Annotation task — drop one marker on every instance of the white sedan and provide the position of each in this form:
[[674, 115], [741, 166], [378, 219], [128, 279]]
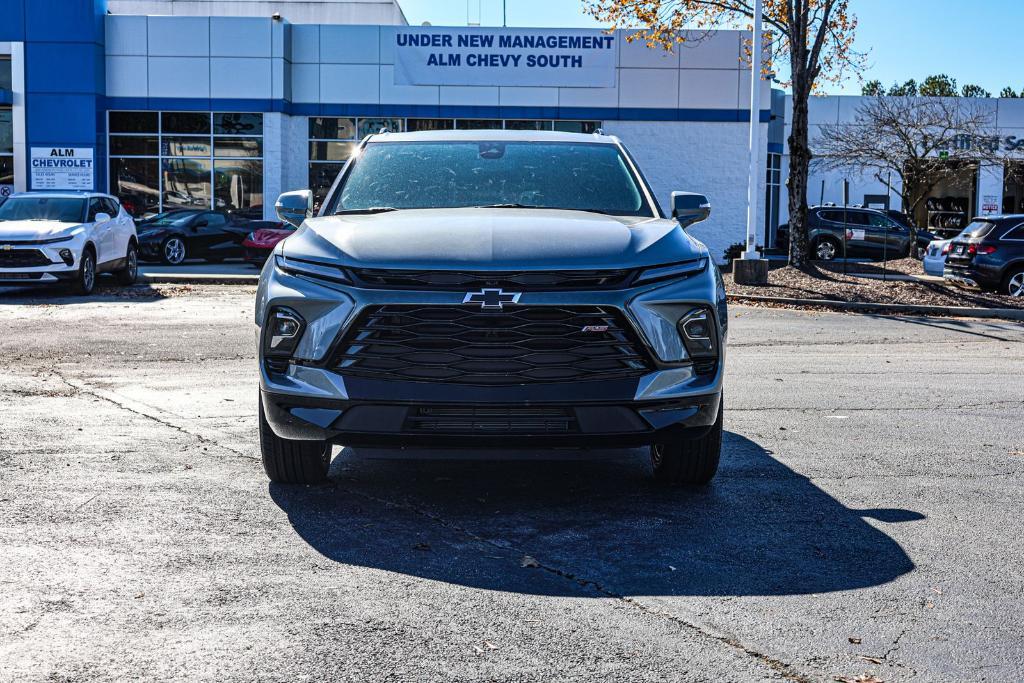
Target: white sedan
[[66, 236], [935, 257]]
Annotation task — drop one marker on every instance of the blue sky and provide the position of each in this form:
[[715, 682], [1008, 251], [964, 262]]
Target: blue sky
[[977, 42]]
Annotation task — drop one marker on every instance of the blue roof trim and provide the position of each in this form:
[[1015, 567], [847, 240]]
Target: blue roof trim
[[435, 111], [775, 148], [6, 96]]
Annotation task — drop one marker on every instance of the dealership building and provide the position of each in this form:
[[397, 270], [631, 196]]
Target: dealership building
[[224, 104]]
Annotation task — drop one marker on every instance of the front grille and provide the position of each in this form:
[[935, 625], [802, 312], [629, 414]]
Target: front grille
[[548, 280], [490, 420], [21, 276], [23, 258], [463, 345]]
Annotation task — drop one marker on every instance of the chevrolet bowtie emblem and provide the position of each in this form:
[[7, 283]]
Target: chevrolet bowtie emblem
[[492, 299]]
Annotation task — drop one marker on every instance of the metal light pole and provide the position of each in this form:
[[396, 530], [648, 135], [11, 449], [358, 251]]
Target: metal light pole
[[752, 269]]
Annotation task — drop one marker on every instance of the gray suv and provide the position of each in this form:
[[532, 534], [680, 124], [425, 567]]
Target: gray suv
[[491, 289]]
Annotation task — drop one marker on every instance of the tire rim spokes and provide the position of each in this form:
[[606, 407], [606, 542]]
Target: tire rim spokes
[[1016, 287]]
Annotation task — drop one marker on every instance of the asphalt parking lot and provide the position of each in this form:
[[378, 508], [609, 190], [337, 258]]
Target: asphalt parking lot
[[865, 521]]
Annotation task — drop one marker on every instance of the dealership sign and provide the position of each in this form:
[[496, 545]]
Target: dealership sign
[[62, 168], [575, 58], [963, 142]]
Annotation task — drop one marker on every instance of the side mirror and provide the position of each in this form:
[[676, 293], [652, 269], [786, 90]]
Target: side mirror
[[295, 207], [689, 208], [102, 217]]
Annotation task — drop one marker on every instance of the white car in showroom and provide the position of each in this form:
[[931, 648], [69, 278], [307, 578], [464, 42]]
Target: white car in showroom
[[48, 237]]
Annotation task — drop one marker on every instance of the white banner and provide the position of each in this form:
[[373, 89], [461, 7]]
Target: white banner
[[568, 58], [62, 168]]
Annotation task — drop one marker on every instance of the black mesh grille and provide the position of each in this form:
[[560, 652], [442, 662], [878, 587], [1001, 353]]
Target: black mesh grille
[[517, 280], [490, 420], [462, 344], [22, 258]]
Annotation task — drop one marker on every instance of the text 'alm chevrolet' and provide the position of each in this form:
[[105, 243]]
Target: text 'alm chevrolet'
[[491, 289]]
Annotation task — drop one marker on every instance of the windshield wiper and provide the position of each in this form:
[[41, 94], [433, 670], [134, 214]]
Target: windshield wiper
[[371, 209]]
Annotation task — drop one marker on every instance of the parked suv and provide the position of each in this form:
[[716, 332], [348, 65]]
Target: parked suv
[[48, 237], [477, 289], [868, 233], [989, 254]]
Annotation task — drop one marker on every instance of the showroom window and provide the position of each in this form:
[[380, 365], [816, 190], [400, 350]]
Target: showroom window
[[6, 152], [332, 140], [163, 161]]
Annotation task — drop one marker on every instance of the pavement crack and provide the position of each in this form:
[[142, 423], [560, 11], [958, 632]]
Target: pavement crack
[[146, 412], [782, 668]]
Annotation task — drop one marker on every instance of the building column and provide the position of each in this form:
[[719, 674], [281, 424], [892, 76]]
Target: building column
[[21, 169], [989, 195], [273, 162]]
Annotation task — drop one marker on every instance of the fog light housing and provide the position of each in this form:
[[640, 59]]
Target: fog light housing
[[700, 336], [282, 333], [67, 257]]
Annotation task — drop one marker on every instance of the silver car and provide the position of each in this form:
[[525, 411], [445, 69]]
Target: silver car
[[935, 257], [477, 289]]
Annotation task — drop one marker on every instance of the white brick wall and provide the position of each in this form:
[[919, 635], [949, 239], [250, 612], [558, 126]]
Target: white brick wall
[[710, 158]]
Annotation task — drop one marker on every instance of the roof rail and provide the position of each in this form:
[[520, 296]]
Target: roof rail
[[383, 131], [598, 131]]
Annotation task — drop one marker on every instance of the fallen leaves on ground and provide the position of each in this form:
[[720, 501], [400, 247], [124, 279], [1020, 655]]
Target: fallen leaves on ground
[[863, 678], [828, 282]]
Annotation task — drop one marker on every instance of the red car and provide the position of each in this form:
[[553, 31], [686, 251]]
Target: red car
[[262, 240]]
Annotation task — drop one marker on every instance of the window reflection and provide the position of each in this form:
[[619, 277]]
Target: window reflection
[[239, 187], [321, 177], [6, 132], [185, 146], [237, 147], [136, 182], [232, 123], [185, 122], [330, 128], [186, 183]]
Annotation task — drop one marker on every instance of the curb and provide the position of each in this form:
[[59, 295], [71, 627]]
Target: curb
[[867, 307], [197, 279]]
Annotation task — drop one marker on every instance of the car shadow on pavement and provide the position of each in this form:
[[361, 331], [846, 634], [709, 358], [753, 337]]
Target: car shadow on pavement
[[56, 294], [759, 529]]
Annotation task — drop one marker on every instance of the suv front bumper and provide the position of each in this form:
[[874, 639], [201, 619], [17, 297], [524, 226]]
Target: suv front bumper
[[311, 399]]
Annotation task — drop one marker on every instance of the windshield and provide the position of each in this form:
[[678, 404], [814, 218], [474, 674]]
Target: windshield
[[976, 230], [60, 209], [168, 218], [436, 175]]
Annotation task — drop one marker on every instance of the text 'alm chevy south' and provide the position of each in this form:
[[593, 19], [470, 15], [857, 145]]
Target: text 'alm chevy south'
[[491, 289]]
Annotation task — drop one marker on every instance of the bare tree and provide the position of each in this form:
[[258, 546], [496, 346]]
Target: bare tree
[[814, 36], [919, 141]]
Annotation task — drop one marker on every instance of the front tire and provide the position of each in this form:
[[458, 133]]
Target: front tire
[[287, 461], [85, 282], [173, 251], [130, 273], [692, 462]]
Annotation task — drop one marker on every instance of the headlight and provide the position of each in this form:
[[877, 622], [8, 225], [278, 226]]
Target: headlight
[[674, 270], [311, 269]]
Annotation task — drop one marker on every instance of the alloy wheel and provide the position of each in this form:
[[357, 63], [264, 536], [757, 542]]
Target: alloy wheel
[[1015, 287], [174, 251], [133, 263], [88, 272], [826, 251]]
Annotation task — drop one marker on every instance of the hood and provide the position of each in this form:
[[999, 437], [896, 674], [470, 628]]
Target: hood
[[33, 230], [492, 239]]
